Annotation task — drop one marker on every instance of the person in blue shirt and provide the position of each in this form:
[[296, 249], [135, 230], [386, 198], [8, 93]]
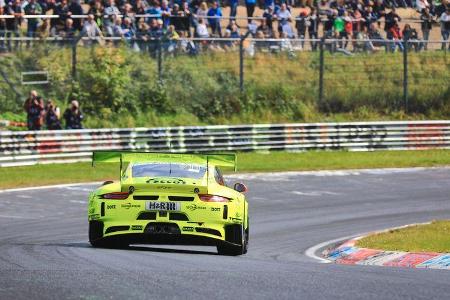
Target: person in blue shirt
[[214, 23]]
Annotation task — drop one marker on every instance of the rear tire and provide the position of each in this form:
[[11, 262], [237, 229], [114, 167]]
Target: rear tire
[[240, 238], [96, 237]]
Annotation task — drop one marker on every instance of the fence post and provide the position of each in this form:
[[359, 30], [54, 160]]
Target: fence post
[[241, 64], [321, 69], [405, 73], [159, 60], [74, 61]]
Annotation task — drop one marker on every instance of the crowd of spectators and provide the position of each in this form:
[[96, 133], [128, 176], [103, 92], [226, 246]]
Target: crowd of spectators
[[48, 115], [145, 20]]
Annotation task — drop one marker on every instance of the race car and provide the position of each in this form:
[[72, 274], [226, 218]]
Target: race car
[[167, 198]]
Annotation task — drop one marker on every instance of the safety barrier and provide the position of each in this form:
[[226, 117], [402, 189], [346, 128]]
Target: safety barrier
[[32, 147]]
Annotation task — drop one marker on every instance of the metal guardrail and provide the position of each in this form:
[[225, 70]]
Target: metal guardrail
[[34, 147]]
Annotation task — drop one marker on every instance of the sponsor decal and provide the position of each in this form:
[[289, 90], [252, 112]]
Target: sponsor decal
[[163, 187], [163, 181], [112, 206], [129, 205], [193, 207], [136, 227], [196, 191], [94, 217], [188, 229], [215, 208]]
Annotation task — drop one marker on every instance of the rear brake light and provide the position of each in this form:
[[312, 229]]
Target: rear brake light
[[213, 198], [115, 196]]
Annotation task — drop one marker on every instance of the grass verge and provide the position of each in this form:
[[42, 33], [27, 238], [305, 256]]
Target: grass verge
[[434, 237], [247, 162]]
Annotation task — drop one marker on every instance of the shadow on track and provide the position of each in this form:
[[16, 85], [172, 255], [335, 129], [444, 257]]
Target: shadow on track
[[149, 248]]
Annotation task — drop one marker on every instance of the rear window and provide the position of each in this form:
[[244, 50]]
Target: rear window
[[168, 170]]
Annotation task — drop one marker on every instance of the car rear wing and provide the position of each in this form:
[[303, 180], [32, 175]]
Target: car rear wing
[[217, 159]]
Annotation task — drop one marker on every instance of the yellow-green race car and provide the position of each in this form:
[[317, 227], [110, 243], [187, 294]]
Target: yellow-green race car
[[167, 198]]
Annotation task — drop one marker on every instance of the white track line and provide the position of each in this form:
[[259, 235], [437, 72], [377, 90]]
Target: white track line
[[311, 252], [49, 187], [258, 175]]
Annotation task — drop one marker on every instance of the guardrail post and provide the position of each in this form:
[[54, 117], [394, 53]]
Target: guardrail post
[[321, 69], [405, 73]]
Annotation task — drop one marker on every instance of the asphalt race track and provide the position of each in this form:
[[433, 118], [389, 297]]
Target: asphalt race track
[[44, 252]]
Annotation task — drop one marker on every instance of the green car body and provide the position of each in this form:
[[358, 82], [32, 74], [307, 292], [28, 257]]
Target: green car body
[[169, 199]]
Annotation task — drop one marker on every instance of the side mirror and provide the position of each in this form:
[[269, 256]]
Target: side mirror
[[240, 187]]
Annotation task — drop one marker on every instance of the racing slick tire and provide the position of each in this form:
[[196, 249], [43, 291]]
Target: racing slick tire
[[238, 236], [96, 237]]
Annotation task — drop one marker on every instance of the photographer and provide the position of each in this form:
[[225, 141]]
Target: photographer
[[34, 107], [52, 115], [73, 116]]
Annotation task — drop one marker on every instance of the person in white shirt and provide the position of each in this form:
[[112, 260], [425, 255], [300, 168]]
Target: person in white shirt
[[91, 30], [445, 28], [202, 30]]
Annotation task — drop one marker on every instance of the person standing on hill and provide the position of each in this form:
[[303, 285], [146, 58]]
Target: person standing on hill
[[34, 107], [250, 5], [426, 25], [73, 116], [52, 115], [445, 28]]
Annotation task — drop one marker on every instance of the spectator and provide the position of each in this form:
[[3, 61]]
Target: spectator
[[396, 36], [34, 107], [233, 9], [312, 21], [300, 25], [165, 13], [284, 17], [98, 12], [13, 25], [62, 10], [69, 31], [214, 14], [91, 30], [202, 31], [110, 12], [269, 16], [263, 29], [202, 10], [250, 5], [390, 20], [52, 115], [76, 9], [73, 116], [32, 8], [410, 34], [426, 25], [2, 29], [445, 27]]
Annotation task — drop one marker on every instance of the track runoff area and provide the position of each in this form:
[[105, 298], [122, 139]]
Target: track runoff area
[[44, 251]]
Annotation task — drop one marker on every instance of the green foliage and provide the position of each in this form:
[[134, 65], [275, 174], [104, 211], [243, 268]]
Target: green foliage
[[119, 87]]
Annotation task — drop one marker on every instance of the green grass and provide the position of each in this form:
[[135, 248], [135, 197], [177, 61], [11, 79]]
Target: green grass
[[434, 237], [247, 162]]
